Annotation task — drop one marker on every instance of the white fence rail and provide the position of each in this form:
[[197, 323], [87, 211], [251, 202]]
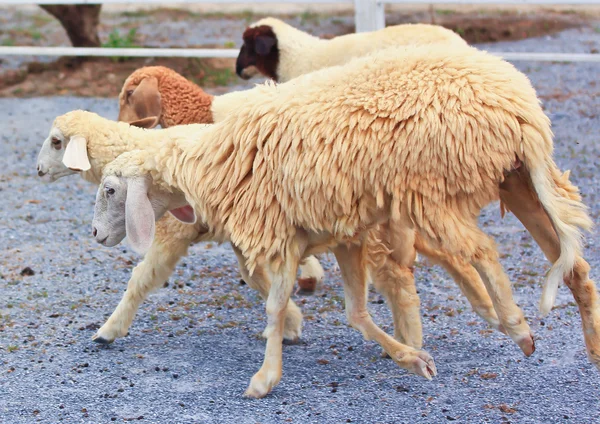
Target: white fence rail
[[369, 15]]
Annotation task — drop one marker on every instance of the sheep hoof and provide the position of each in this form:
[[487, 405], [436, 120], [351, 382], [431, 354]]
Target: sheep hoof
[[260, 385], [101, 340], [418, 362], [291, 342], [307, 285], [254, 394], [527, 344]]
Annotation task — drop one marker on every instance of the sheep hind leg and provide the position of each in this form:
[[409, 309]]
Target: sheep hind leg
[[468, 280], [259, 282], [498, 287], [518, 196], [351, 260], [149, 275], [585, 294]]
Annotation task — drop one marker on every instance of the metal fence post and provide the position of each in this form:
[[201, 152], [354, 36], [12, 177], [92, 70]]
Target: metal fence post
[[369, 15]]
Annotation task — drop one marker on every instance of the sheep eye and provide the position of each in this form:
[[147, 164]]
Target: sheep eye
[[56, 142], [129, 93], [109, 191]]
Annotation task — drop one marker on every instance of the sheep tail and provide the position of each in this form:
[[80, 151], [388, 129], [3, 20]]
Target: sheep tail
[[562, 204]]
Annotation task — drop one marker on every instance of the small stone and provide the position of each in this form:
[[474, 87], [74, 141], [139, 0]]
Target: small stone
[[27, 272]]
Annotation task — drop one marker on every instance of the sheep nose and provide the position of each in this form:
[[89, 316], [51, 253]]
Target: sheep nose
[[94, 231], [40, 172]]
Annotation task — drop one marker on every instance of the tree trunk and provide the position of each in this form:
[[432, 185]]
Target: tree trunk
[[80, 22]]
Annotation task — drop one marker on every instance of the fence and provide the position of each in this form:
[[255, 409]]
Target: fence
[[369, 15]]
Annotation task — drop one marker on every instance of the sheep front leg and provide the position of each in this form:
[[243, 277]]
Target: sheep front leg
[[293, 316], [282, 283], [351, 260], [170, 244]]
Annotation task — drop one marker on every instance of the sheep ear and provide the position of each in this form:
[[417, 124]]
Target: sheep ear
[[76, 156], [139, 215], [263, 44], [146, 99], [149, 122], [184, 214]]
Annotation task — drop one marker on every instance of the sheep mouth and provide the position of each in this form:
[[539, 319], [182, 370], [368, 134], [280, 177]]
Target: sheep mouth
[[247, 72]]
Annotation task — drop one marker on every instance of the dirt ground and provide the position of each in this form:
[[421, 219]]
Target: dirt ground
[[103, 77]]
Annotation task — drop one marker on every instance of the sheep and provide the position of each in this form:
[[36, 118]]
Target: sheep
[[393, 280], [281, 52], [172, 237], [419, 138], [164, 97]]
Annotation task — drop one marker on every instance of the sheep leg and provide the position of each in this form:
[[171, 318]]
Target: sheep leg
[[518, 196], [282, 283], [396, 281], [258, 281], [149, 275], [516, 193], [351, 260], [499, 288], [467, 279], [585, 294]]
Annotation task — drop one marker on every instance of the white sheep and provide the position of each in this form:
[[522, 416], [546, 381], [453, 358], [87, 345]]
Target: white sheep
[[157, 95], [419, 138], [282, 52], [145, 101]]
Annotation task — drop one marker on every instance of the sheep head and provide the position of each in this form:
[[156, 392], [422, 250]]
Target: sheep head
[[64, 151], [140, 99], [128, 203], [258, 53]]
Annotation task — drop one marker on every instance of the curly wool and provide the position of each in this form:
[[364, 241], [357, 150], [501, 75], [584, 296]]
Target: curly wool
[[183, 102]]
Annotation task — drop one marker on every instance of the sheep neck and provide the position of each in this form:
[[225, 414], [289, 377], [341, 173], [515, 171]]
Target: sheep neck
[[299, 53], [200, 167], [105, 145]]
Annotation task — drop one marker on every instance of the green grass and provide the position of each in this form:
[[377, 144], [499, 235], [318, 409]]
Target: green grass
[[118, 41], [211, 76], [135, 14], [309, 16], [36, 35]]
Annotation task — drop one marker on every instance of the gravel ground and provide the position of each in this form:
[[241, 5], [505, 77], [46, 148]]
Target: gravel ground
[[195, 344]]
